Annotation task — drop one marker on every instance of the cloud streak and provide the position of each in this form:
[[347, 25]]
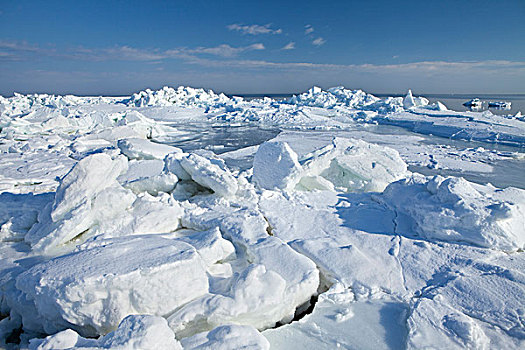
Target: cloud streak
[[318, 42], [493, 66], [308, 29], [16, 51], [254, 29], [289, 46], [226, 56], [225, 50]]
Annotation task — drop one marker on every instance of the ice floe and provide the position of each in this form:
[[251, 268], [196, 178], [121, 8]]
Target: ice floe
[[348, 226]]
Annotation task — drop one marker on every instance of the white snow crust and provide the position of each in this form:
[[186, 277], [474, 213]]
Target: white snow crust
[[347, 225]]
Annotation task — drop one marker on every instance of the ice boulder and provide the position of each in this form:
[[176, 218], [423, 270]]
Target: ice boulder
[[136, 148], [210, 245], [182, 96], [172, 164], [347, 165], [141, 332], [210, 175], [358, 166], [254, 299], [276, 166], [88, 195], [93, 289], [454, 209], [89, 176], [264, 293], [227, 337], [147, 215], [335, 96], [148, 176], [437, 106], [135, 332], [410, 101]]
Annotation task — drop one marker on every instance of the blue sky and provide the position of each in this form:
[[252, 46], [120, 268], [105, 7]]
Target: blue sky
[[118, 47]]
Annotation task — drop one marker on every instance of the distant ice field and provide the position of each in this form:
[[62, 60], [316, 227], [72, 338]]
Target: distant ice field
[[225, 138], [453, 101]]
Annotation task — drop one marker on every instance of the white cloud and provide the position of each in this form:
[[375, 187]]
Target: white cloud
[[126, 53], [318, 42], [15, 51], [18, 46], [308, 29], [18, 51], [257, 46], [223, 50], [289, 46], [423, 67], [254, 29]]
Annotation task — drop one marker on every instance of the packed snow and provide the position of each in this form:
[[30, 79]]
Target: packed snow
[[185, 219]]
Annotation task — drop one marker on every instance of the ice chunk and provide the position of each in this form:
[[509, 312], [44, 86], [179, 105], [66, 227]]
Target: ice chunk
[[453, 209], [89, 176], [357, 165], [410, 101], [172, 164], [267, 291], [88, 195], [336, 96], [226, 338], [349, 165], [209, 175], [141, 332], [276, 166], [144, 149], [210, 245], [440, 106], [255, 298], [144, 126], [182, 96], [92, 290], [148, 215], [66, 339], [148, 176], [135, 332]]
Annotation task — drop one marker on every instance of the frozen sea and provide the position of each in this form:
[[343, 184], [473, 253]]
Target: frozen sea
[[226, 138], [452, 101], [181, 218]]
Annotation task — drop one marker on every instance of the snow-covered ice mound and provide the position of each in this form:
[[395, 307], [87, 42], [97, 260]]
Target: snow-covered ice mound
[[135, 332], [93, 289], [182, 96], [89, 194], [346, 165], [336, 96], [453, 209]]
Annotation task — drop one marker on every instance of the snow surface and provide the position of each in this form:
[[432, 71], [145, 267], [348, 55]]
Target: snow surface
[[333, 219]]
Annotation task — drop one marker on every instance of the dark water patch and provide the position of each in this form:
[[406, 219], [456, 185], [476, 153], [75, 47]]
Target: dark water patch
[[220, 138]]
